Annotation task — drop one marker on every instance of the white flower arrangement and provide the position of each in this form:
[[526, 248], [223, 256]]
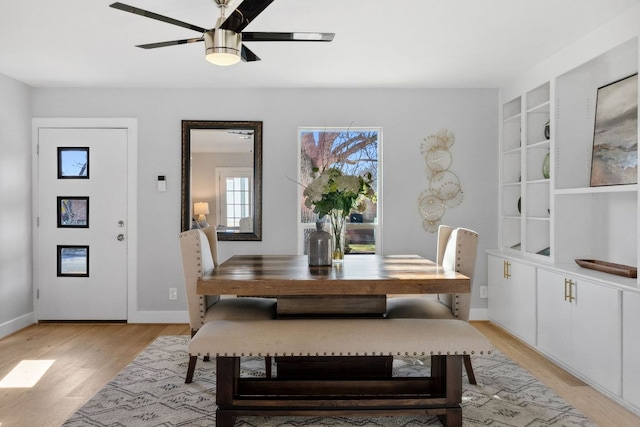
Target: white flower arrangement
[[332, 190]]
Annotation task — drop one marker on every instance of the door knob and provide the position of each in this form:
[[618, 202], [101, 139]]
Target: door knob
[[120, 237]]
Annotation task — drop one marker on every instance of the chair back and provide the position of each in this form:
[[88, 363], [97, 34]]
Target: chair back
[[457, 250], [212, 238], [197, 248]]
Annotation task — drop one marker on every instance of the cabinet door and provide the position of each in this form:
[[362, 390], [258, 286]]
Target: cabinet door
[[522, 302], [597, 334], [497, 283], [512, 297], [631, 347], [554, 316]]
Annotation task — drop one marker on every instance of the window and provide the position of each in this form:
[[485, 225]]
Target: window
[[235, 189], [354, 152], [73, 162]]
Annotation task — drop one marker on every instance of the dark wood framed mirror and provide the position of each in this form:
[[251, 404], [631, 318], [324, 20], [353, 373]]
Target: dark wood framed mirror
[[222, 177]]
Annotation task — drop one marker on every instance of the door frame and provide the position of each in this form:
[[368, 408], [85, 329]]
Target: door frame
[[131, 124]]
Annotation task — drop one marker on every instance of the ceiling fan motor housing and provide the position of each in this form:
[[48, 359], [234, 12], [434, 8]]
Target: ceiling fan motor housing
[[222, 46]]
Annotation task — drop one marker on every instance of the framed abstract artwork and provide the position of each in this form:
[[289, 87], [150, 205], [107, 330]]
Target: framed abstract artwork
[[615, 136]]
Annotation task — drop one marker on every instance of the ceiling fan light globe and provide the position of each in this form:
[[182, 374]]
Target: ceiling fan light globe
[[222, 47], [223, 58]]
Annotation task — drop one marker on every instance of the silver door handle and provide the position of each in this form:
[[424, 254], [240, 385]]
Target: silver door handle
[[120, 237]]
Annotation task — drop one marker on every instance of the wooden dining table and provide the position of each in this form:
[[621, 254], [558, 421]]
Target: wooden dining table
[[359, 286]]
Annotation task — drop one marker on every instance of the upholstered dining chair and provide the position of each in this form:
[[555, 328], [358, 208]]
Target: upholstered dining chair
[[199, 250], [457, 250]]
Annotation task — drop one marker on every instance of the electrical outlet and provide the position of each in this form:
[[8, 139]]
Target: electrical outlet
[[173, 294], [484, 291]]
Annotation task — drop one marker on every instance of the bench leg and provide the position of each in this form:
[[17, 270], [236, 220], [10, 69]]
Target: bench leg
[[227, 376], [453, 418], [267, 366], [191, 369], [453, 379], [224, 419], [446, 373]]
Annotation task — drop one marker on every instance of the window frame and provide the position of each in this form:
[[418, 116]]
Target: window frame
[[222, 174], [305, 228]]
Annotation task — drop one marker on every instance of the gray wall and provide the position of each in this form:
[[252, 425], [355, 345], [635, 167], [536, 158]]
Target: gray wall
[[406, 116], [16, 289]]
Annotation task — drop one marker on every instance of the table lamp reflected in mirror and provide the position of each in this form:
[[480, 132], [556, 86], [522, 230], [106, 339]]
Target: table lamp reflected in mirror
[[201, 209]]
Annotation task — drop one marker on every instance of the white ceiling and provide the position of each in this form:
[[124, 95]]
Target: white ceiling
[[378, 43]]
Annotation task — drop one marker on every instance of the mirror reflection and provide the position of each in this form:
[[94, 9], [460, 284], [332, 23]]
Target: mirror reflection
[[221, 177]]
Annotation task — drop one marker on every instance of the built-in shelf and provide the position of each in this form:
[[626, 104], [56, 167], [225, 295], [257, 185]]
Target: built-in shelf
[[631, 188], [513, 119], [525, 187]]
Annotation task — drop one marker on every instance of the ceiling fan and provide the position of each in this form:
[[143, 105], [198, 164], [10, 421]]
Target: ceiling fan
[[224, 43]]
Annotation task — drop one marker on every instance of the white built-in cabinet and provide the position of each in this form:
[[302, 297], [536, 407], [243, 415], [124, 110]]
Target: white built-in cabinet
[[631, 347], [580, 326], [513, 288], [586, 321]]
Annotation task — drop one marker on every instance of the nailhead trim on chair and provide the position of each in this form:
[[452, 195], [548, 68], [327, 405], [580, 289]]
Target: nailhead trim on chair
[[456, 308], [203, 309], [456, 303]]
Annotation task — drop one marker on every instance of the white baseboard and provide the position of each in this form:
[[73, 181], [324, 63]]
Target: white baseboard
[[21, 322], [159, 317], [479, 314], [14, 325]]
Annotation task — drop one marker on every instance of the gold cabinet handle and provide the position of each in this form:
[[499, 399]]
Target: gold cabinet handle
[[572, 285], [568, 290], [506, 269]]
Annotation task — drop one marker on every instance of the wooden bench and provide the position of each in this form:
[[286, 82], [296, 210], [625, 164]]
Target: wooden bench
[[329, 344]]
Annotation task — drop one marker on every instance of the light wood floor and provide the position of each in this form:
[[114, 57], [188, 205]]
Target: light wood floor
[[87, 356], [600, 409]]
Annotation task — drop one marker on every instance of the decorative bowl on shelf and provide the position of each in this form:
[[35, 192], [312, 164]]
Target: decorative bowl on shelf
[[608, 267]]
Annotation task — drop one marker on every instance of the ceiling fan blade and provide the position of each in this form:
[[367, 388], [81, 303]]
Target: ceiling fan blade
[[248, 55], [170, 43], [152, 15], [287, 37], [244, 14]]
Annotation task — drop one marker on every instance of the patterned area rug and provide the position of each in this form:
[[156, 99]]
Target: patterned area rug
[[151, 392]]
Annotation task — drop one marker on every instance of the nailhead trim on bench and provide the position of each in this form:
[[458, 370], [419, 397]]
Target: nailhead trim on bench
[[455, 353]]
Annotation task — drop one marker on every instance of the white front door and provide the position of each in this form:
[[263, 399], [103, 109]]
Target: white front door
[[81, 242]]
